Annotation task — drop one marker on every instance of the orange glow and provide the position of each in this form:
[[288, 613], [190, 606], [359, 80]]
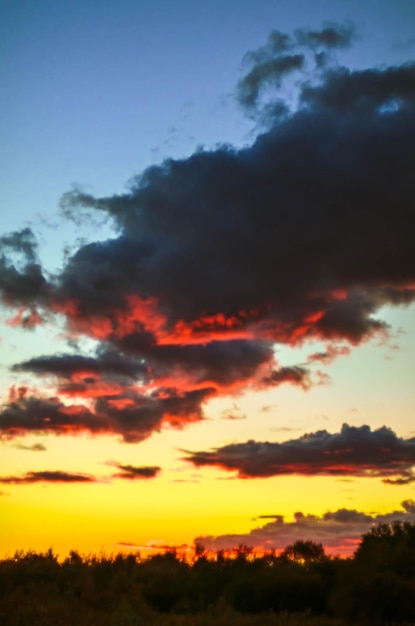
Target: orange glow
[[339, 294], [179, 421], [144, 315], [97, 389], [68, 307], [306, 328], [73, 409], [121, 403], [205, 330]]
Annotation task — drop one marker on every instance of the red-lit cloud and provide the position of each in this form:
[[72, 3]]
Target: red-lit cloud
[[135, 392], [132, 416]]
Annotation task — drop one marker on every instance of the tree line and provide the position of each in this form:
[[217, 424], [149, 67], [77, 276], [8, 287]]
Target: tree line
[[375, 586]]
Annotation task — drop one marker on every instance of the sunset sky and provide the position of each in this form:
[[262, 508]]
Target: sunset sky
[[207, 272]]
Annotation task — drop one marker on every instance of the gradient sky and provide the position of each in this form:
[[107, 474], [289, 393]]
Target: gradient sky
[[207, 272]]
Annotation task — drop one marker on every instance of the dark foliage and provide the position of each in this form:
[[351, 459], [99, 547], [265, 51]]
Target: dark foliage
[[376, 586]]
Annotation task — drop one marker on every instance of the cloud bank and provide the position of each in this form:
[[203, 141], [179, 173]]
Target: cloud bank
[[354, 451], [339, 531]]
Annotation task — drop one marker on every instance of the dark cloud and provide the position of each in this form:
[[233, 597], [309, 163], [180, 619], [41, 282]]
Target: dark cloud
[[405, 478], [284, 55], [296, 375], [68, 365], [131, 472], [22, 282], [380, 94], [409, 506], [48, 415], [46, 477], [20, 241], [347, 516], [331, 36], [305, 234], [339, 531], [354, 451], [175, 381], [131, 415], [136, 417], [220, 362], [268, 71]]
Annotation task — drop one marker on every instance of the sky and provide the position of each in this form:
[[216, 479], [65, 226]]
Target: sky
[[207, 274]]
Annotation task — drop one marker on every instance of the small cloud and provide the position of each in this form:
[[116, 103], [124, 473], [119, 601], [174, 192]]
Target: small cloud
[[284, 429], [332, 35], [295, 374], [46, 477], [329, 355], [157, 546], [276, 517], [128, 545], [233, 413], [267, 407], [36, 447], [131, 472]]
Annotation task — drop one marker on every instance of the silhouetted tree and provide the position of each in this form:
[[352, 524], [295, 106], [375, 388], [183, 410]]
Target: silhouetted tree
[[382, 590], [304, 552]]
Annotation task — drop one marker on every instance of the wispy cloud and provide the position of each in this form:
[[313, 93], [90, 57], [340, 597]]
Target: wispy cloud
[[36, 447], [156, 547], [46, 477], [132, 472], [284, 55]]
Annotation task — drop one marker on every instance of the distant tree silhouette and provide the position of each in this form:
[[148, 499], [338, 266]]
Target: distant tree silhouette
[[374, 588], [304, 552]]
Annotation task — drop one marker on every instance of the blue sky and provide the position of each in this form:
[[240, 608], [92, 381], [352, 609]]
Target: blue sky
[[93, 94]]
